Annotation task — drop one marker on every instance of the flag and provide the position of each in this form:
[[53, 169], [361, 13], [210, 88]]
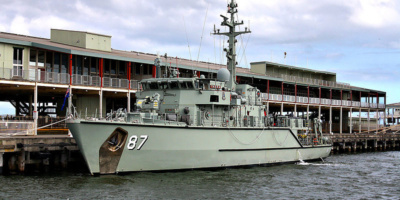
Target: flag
[[65, 98]]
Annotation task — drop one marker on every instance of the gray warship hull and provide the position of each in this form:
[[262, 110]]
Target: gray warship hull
[[176, 147]]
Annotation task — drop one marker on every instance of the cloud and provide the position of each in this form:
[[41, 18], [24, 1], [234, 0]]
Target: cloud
[[376, 13], [19, 25], [325, 34]]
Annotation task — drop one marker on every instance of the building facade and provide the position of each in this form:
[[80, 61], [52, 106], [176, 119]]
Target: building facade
[[35, 74]]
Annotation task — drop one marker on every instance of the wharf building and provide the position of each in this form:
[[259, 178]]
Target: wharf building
[[35, 74]]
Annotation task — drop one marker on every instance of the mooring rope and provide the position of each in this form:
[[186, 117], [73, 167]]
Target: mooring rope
[[252, 142], [280, 144]]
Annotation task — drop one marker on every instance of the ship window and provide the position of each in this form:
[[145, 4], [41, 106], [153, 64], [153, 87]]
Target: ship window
[[214, 98], [174, 85], [183, 85], [164, 85], [145, 86], [190, 85], [153, 85]]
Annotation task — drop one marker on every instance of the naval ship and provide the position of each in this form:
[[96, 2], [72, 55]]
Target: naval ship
[[194, 123]]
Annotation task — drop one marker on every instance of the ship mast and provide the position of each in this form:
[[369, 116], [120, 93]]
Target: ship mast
[[231, 52]]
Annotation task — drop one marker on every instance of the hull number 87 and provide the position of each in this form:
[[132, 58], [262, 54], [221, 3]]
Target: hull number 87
[[133, 141]]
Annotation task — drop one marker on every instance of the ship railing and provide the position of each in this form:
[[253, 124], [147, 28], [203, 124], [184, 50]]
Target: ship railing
[[308, 140], [373, 105], [381, 105]]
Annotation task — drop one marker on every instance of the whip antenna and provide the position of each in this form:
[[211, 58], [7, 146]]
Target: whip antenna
[[187, 39]]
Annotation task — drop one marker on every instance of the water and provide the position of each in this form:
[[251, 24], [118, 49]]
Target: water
[[355, 176]]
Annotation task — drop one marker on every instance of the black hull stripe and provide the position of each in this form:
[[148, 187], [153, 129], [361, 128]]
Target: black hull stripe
[[186, 127], [273, 149]]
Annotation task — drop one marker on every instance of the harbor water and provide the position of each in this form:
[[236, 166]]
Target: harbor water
[[346, 176]]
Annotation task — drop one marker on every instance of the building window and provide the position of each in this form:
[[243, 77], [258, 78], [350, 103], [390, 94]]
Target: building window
[[41, 58], [17, 62], [78, 64], [64, 63], [113, 67], [122, 68], [32, 57], [137, 69], [146, 70], [86, 65], [56, 67], [106, 66], [93, 66], [150, 69], [49, 61]]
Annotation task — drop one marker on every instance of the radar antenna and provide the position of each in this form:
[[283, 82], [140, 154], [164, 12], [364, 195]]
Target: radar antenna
[[231, 52]]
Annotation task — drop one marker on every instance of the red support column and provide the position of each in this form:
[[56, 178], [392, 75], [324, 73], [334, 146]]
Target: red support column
[[341, 97], [319, 95], [351, 98], [70, 69], [129, 73], [268, 89], [330, 95], [198, 74], [295, 93], [154, 74], [360, 99], [282, 91], [308, 94], [101, 72]]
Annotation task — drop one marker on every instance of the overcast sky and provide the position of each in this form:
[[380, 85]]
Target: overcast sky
[[357, 39]]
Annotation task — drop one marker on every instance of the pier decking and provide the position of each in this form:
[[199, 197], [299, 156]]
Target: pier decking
[[39, 151]]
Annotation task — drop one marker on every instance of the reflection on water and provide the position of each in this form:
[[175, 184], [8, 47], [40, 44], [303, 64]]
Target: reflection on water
[[367, 175]]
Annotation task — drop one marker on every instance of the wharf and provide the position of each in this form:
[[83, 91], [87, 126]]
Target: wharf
[[20, 153], [356, 142]]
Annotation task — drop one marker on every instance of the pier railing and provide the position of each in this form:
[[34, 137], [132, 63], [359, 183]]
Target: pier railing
[[16, 127], [64, 78], [318, 101]]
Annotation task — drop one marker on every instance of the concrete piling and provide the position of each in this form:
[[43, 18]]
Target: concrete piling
[[1, 163], [21, 161]]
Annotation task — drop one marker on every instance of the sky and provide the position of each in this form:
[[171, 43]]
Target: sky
[[357, 39]]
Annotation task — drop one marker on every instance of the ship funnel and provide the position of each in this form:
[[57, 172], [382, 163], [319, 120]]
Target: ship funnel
[[223, 75]]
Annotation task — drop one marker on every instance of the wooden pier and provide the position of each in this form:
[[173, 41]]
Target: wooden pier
[[343, 143], [37, 153]]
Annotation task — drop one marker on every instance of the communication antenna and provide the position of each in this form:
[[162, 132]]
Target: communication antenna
[[187, 39], [202, 33]]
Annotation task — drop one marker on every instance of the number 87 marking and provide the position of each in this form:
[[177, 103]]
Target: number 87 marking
[[133, 140]]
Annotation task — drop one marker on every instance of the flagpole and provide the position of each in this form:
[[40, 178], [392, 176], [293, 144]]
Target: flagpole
[[70, 101]]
